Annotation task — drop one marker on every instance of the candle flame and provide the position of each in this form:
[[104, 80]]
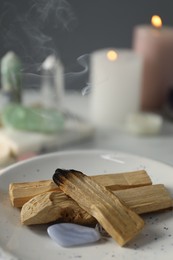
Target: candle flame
[[112, 55], [156, 21]]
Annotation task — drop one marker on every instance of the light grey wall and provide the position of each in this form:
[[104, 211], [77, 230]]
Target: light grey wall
[[71, 28]]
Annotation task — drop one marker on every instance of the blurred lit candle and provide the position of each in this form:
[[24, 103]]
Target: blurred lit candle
[[115, 77], [155, 44]]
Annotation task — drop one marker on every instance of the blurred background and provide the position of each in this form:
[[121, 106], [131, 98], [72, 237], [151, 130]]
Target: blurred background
[[36, 28], [71, 30]]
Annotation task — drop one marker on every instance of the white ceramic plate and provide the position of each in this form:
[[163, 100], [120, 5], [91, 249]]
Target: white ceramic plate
[[21, 242]]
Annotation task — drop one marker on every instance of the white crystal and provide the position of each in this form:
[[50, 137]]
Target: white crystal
[[67, 234]]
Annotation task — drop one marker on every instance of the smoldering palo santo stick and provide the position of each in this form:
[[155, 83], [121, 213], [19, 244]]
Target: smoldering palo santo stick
[[22, 192], [116, 218]]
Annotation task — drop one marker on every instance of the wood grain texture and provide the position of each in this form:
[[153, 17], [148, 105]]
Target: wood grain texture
[[115, 217], [22, 192], [56, 206]]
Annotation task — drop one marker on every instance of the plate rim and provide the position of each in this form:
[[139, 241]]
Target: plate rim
[[80, 151]]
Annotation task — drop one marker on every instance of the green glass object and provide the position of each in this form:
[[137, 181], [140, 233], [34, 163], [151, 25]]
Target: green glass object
[[11, 78], [42, 120]]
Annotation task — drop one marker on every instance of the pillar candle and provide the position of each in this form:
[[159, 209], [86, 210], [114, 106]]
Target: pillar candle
[[155, 45], [115, 77]]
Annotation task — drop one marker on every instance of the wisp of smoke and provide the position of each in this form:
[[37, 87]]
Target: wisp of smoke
[[29, 31], [77, 80], [60, 10]]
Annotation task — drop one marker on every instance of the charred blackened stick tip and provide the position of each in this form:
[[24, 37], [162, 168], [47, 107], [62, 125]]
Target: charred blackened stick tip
[[63, 173], [57, 176]]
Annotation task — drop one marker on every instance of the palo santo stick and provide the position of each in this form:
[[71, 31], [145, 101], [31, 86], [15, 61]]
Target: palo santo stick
[[118, 220], [146, 199], [20, 193], [56, 206]]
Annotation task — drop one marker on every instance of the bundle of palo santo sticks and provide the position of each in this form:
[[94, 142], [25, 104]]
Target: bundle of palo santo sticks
[[113, 200]]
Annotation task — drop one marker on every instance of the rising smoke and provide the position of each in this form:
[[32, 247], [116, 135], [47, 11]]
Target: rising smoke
[[32, 29]]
